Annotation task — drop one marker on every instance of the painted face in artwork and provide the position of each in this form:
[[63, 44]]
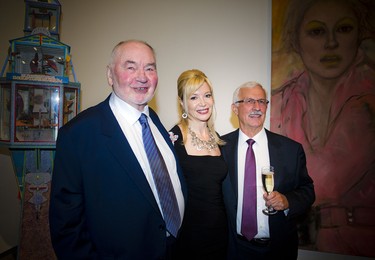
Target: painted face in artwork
[[328, 38]]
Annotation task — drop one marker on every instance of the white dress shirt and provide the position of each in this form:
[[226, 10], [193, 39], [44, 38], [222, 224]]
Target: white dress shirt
[[127, 116], [260, 148]]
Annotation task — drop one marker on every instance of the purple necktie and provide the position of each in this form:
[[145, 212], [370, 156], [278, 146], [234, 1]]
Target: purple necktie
[[249, 226], [162, 180]]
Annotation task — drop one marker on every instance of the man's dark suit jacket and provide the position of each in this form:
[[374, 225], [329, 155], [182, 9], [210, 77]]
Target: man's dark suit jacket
[[291, 179], [102, 206]]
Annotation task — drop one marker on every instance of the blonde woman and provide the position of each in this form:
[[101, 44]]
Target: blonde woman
[[204, 229]]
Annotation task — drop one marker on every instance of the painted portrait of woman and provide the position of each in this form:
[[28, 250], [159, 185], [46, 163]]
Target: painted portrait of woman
[[323, 96]]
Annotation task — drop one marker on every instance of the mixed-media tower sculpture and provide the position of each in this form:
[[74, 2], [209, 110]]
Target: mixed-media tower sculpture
[[37, 98]]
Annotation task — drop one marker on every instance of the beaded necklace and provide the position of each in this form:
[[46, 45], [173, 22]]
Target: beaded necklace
[[200, 144]]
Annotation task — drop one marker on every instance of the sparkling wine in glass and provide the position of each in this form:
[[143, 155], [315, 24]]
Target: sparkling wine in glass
[[268, 183]]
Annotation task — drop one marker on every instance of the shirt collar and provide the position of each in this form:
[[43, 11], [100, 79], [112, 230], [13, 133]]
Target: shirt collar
[[129, 113], [258, 138]]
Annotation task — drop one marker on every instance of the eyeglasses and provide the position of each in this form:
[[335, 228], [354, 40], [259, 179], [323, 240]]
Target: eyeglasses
[[250, 101]]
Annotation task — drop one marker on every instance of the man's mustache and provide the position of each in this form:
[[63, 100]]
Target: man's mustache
[[256, 113]]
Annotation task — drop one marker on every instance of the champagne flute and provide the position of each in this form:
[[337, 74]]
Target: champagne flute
[[268, 183]]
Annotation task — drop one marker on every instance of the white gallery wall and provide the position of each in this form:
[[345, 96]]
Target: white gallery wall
[[229, 40]]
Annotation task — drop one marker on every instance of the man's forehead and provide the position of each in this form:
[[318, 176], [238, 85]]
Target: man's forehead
[[137, 57], [254, 90], [141, 63]]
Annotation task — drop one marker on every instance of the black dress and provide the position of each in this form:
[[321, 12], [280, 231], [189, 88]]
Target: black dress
[[204, 233]]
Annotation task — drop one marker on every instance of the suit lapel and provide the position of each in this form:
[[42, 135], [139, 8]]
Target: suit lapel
[[232, 155], [120, 148], [163, 131], [276, 155]]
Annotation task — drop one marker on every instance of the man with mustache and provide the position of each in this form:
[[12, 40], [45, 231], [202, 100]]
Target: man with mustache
[[273, 236]]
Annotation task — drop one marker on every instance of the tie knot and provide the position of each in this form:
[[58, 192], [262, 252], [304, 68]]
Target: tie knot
[[250, 142], [143, 119]]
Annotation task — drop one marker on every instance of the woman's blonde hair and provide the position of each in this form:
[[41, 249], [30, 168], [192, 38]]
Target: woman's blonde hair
[[187, 83]]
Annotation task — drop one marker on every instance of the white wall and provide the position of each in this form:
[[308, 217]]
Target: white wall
[[229, 40], [11, 26]]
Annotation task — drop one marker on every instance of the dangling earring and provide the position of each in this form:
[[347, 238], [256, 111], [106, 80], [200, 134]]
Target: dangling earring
[[184, 115]]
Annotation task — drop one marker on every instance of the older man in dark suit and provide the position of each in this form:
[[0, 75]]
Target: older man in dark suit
[[272, 236], [106, 200]]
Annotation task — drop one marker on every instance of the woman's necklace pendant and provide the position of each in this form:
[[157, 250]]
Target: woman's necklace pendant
[[201, 144]]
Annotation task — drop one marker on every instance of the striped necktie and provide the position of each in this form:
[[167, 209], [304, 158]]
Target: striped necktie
[[162, 180]]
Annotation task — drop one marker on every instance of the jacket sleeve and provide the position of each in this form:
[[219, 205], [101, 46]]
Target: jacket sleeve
[[302, 196], [69, 234]]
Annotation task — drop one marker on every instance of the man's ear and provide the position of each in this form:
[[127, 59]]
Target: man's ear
[[235, 109], [109, 76]]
